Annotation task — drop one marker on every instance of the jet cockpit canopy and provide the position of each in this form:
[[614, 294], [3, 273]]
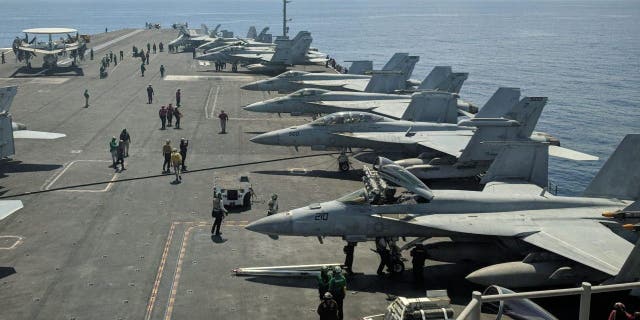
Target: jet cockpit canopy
[[291, 74], [347, 117], [308, 92]]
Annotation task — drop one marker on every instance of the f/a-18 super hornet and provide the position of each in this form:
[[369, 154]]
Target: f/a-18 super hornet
[[393, 76], [263, 39], [444, 147], [320, 101], [8, 131], [525, 236], [265, 58], [189, 39]]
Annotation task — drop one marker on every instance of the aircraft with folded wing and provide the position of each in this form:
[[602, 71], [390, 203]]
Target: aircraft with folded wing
[[525, 236]]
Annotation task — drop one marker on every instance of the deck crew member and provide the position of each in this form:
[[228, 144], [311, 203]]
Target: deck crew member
[[166, 153], [223, 121], [272, 205], [149, 92], [218, 213], [184, 145]]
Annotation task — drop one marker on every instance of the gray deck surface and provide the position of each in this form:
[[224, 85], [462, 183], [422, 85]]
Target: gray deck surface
[[142, 249]]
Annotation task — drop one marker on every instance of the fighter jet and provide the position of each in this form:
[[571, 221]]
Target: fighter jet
[[444, 147], [260, 40], [190, 39], [10, 130], [526, 235], [320, 101], [393, 76], [286, 53]]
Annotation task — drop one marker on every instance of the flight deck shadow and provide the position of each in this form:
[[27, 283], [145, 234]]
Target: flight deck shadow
[[16, 166], [218, 239], [25, 72], [450, 277], [354, 175], [6, 271]]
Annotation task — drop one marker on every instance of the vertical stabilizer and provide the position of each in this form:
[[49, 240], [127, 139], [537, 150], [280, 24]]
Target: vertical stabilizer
[[396, 60], [619, 177], [630, 270], [432, 106], [214, 33], [205, 29], [457, 80], [6, 97], [252, 33], [500, 103], [299, 48], [491, 134], [7, 148], [435, 78], [526, 162], [442, 78], [360, 66], [394, 75]]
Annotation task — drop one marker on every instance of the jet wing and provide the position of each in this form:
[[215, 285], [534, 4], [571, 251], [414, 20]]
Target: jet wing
[[585, 241], [7, 207], [500, 187], [449, 142], [388, 108], [28, 134], [254, 56], [347, 84]]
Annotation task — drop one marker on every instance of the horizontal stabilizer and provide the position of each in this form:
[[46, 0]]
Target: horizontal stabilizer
[[565, 153], [8, 207], [360, 66], [520, 161], [28, 134]]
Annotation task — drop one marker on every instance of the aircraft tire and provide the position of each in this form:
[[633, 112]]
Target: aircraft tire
[[397, 267], [246, 201]]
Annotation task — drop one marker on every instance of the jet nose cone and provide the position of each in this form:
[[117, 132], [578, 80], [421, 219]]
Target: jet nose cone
[[270, 138], [277, 224], [251, 86], [256, 107]]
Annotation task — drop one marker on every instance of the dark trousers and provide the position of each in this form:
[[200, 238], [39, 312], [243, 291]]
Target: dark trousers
[[184, 157], [384, 260], [167, 162], [120, 161], [150, 96], [348, 260], [164, 122], [177, 101], [177, 122], [340, 302], [217, 222], [418, 270]]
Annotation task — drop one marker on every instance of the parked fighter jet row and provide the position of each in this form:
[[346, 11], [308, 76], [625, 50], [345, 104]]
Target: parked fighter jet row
[[522, 235], [256, 52]]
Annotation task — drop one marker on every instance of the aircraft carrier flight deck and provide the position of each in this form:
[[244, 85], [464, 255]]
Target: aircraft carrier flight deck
[[142, 248]]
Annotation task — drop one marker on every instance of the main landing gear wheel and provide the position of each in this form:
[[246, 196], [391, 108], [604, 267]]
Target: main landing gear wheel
[[344, 166], [397, 266], [246, 201]]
